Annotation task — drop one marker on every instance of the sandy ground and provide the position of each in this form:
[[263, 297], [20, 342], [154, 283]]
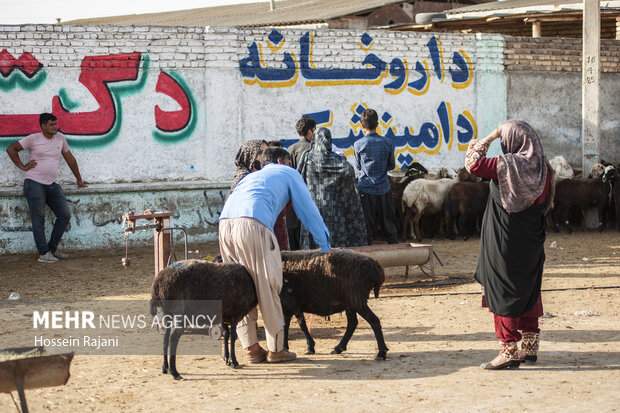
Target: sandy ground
[[436, 331]]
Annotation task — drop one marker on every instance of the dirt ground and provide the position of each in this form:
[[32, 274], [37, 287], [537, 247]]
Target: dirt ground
[[437, 333]]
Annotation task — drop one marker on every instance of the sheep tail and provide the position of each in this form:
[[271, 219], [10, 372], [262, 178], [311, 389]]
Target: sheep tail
[[379, 281], [155, 304], [155, 301]]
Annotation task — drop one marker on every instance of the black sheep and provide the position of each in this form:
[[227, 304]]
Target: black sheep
[[398, 185], [582, 193], [194, 280], [613, 176], [325, 284]]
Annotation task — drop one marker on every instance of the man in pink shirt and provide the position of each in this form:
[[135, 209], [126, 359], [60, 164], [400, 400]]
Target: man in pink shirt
[[40, 187]]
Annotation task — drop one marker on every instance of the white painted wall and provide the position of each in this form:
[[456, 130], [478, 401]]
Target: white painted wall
[[225, 110]]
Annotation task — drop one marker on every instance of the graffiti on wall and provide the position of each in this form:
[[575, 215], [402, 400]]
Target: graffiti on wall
[[429, 140], [108, 78], [24, 72], [395, 76], [372, 71]]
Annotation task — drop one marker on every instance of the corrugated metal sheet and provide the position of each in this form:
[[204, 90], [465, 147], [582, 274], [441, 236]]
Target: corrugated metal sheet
[[519, 4], [287, 12]]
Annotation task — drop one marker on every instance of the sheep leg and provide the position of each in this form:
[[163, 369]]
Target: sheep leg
[[301, 320], [406, 219], [174, 342], [287, 323], [462, 220], [351, 326], [449, 224], [601, 213], [565, 212], [555, 214], [226, 348], [416, 222], [583, 218], [164, 366], [233, 336], [375, 324]]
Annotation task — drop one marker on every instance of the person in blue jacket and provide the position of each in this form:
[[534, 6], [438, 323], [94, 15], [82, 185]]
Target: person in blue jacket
[[246, 237]]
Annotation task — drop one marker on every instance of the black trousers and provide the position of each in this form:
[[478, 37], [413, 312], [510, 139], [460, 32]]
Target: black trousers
[[379, 210], [293, 229], [293, 238]]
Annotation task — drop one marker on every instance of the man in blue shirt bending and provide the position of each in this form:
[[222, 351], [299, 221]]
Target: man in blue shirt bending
[[374, 157], [246, 237]]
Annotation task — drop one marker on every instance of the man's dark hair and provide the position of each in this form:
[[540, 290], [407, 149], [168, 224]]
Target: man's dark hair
[[304, 125], [370, 120], [46, 117], [275, 144], [271, 155]]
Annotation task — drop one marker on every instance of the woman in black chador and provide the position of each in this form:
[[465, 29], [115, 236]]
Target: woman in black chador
[[510, 264]]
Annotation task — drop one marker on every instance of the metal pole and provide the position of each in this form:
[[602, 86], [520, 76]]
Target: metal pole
[[591, 70], [273, 5]]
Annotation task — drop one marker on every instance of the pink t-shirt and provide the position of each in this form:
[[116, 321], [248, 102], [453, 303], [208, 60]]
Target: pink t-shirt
[[46, 152]]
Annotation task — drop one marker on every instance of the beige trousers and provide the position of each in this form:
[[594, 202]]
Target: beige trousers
[[248, 242]]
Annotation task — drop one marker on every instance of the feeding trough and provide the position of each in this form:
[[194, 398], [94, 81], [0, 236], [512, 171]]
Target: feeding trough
[[397, 255], [24, 368]]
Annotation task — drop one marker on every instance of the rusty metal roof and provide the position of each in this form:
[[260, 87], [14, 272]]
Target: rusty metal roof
[[286, 13]]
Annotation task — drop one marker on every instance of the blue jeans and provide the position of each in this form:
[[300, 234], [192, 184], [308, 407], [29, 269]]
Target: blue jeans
[[38, 195]]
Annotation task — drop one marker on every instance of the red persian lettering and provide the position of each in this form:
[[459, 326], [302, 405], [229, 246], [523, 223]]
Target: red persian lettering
[[27, 63], [97, 72], [171, 121]]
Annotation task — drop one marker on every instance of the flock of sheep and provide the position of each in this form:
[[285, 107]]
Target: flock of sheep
[[459, 199], [317, 283]]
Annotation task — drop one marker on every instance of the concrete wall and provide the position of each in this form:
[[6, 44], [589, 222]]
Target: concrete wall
[[155, 115], [544, 88], [551, 102], [97, 210]]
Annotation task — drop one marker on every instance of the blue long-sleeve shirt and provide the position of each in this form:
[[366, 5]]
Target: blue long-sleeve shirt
[[263, 194], [374, 157]]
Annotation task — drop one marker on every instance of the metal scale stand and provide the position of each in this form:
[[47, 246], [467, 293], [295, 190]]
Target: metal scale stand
[[162, 236]]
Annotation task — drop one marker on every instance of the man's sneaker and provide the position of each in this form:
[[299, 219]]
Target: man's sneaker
[[281, 356], [60, 255], [47, 257]]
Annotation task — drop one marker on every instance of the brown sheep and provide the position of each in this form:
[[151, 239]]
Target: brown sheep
[[465, 201], [426, 197]]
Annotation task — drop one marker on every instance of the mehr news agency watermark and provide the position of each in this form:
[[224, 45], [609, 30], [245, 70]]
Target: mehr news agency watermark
[[113, 327]]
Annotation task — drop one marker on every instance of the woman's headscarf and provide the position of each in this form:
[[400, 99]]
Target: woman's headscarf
[[245, 160], [332, 184], [522, 170]]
